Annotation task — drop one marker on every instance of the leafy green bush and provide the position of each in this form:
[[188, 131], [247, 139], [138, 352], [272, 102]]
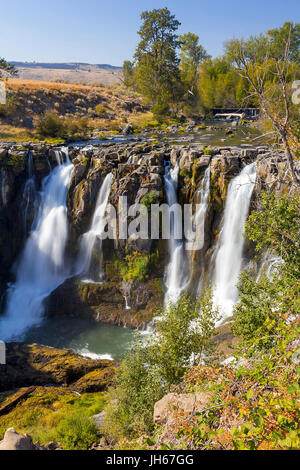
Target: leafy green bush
[[276, 226], [10, 108], [207, 151], [261, 307], [254, 405], [136, 266], [183, 336], [77, 432], [149, 199], [160, 111], [51, 125], [263, 304]]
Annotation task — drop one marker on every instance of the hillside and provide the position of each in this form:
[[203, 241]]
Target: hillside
[[29, 100], [69, 72]]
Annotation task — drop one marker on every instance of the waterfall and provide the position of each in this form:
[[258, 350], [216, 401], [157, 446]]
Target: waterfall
[[269, 266], [4, 187], [176, 276], [200, 216], [30, 199], [42, 266], [127, 306], [229, 256], [93, 236]]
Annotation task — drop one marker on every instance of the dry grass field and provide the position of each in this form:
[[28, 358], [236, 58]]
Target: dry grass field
[[101, 106], [92, 75]]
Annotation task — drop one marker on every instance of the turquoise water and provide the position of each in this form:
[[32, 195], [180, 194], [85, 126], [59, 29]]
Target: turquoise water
[[86, 337]]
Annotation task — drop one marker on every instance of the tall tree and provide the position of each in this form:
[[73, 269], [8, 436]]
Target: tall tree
[[157, 64], [128, 73], [192, 54], [267, 65], [289, 32]]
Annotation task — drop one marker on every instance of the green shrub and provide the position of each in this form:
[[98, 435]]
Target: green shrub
[[276, 227], [136, 266], [100, 110], [41, 415], [149, 199], [51, 125], [10, 108], [262, 304], [77, 432], [185, 173], [183, 335], [160, 111], [207, 151]]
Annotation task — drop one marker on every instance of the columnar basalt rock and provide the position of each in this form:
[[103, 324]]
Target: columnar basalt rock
[[138, 169]]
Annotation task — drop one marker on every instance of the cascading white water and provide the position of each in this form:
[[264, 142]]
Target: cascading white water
[[229, 256], [270, 266], [90, 238], [42, 266], [4, 187], [200, 216], [30, 197], [176, 277], [127, 306]]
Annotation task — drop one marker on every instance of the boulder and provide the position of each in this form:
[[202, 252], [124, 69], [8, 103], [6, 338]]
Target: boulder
[[99, 420], [128, 130], [188, 403], [15, 441]]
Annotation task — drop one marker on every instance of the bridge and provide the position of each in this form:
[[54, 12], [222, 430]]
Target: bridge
[[236, 113]]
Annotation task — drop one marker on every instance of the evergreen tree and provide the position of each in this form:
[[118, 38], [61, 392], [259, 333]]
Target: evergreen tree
[[157, 64]]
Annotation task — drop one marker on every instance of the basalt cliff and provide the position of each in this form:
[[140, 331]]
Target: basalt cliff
[[128, 295]]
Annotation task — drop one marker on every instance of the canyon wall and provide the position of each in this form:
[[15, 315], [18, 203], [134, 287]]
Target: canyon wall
[[138, 171]]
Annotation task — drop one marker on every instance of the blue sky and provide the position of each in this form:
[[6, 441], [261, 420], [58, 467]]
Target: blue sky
[[97, 31]]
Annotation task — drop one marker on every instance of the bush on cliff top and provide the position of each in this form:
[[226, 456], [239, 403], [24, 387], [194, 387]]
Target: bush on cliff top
[[51, 125]]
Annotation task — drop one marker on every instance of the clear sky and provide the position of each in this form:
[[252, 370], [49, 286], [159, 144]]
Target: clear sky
[[97, 31]]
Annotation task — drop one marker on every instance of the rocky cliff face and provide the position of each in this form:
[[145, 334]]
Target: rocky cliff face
[[138, 170]]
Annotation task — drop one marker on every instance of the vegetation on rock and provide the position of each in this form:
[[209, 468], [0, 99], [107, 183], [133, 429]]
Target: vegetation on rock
[[183, 334]]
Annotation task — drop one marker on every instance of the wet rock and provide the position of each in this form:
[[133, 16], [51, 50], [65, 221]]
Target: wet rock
[[3, 153], [105, 303]]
